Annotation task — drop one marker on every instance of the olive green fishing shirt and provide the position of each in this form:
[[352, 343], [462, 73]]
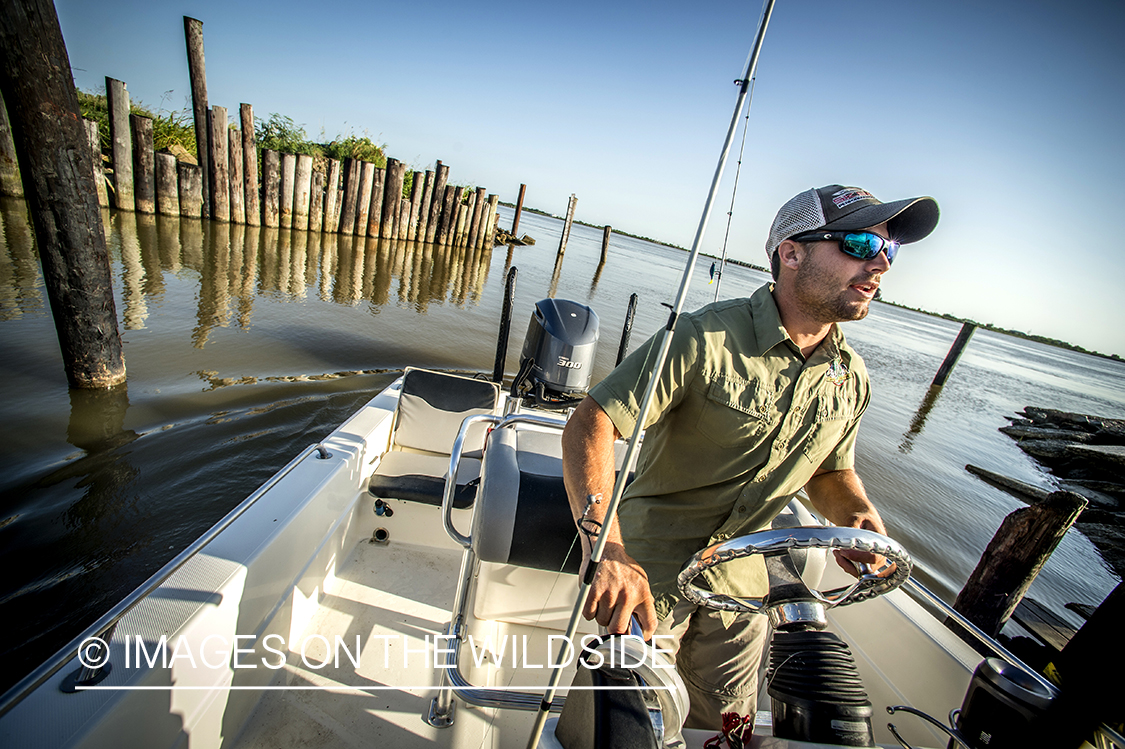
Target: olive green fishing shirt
[[740, 421]]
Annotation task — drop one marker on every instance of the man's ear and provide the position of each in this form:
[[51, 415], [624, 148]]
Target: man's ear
[[791, 253]]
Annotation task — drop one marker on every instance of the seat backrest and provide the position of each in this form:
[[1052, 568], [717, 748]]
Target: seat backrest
[[432, 406]]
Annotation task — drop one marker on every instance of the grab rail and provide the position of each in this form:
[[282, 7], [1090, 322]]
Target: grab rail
[[109, 620]]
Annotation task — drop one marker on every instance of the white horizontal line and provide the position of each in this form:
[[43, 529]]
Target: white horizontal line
[[366, 688]]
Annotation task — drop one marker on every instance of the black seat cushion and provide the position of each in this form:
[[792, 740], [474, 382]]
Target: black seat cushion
[[421, 478]]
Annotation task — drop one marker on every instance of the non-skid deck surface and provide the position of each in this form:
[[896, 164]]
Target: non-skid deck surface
[[392, 597]]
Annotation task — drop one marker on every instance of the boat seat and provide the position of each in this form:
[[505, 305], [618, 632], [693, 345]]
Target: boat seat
[[526, 520], [430, 410]]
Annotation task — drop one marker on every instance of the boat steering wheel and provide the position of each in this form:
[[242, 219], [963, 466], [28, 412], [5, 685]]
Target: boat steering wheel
[[787, 587]]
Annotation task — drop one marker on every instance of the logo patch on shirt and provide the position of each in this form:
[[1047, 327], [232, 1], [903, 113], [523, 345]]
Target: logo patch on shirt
[[837, 372]]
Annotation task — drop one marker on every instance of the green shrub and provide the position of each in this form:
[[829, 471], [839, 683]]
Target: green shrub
[[168, 128], [281, 134], [352, 146]]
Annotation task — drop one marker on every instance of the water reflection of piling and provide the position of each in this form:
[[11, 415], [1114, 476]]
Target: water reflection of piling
[[133, 272], [20, 279], [214, 287], [919, 421]]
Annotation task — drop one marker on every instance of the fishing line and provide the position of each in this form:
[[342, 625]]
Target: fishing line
[[734, 191]]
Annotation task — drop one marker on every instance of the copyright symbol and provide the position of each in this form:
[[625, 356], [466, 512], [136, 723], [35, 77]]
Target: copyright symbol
[[93, 652]]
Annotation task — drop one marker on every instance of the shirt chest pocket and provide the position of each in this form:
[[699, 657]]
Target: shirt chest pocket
[[734, 412], [828, 418]]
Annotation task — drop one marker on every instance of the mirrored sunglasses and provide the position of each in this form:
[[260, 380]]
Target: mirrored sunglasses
[[859, 244]]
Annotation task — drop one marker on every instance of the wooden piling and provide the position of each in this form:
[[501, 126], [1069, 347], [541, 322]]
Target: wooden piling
[[493, 217], [441, 173], [59, 187], [954, 354], [249, 166], [237, 183], [302, 192], [424, 208], [316, 203], [288, 190], [271, 188], [461, 229], [144, 170], [442, 235], [392, 198], [478, 214], [332, 198], [519, 210], [1014, 557], [417, 188], [167, 185], [99, 171], [363, 214], [352, 169], [219, 161], [121, 142], [606, 232], [10, 184], [197, 72], [191, 189], [378, 188], [570, 206]]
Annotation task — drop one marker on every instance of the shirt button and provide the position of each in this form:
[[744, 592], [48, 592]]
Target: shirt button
[[742, 508]]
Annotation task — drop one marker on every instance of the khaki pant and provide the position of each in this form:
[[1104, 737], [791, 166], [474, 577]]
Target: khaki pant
[[719, 666]]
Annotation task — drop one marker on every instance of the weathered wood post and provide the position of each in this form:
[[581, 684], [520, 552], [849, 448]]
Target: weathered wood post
[[448, 213], [954, 354], [197, 72], [457, 217], [220, 165], [121, 142], [464, 212], [144, 170], [493, 217], [351, 195], [288, 189], [424, 208], [99, 171], [570, 206], [10, 184], [1014, 557], [404, 220], [250, 166], [316, 203], [386, 213], [302, 192], [519, 210], [417, 188], [441, 173], [378, 188], [167, 186], [271, 188], [332, 198], [56, 165], [363, 203], [605, 243], [478, 214], [237, 183], [191, 189]]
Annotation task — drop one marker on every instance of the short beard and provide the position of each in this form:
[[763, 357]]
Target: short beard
[[808, 287]]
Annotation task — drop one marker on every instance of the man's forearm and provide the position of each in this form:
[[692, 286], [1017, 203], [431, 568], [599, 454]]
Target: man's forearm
[[588, 463], [840, 497]]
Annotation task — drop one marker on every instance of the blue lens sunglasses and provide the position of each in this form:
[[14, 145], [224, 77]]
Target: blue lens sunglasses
[[859, 244]]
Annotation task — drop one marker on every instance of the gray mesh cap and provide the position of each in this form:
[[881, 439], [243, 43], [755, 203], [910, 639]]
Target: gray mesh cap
[[840, 208]]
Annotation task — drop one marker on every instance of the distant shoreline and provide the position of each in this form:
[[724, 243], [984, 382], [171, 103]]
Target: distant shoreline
[[984, 326]]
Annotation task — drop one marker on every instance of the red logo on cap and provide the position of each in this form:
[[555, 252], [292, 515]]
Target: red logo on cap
[[844, 198]]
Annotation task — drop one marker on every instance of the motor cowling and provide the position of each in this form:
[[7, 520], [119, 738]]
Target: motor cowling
[[558, 350]]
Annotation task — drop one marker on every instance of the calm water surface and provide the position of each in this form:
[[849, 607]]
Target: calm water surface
[[245, 345]]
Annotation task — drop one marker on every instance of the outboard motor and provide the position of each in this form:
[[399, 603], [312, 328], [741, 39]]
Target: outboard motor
[[557, 360]]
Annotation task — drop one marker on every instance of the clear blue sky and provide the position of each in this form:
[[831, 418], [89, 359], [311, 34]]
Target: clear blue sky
[[1008, 113]]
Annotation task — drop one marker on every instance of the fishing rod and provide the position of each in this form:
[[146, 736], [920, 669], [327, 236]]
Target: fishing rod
[[650, 388]]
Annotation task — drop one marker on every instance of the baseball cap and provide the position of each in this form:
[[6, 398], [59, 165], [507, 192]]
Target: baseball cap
[[840, 208]]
